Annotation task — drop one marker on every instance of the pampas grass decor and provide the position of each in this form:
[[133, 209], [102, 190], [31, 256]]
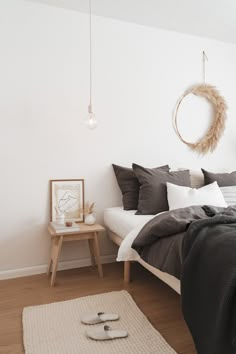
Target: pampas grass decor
[[212, 136]]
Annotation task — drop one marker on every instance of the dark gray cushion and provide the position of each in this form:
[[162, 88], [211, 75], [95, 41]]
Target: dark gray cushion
[[223, 179], [153, 191], [129, 185]]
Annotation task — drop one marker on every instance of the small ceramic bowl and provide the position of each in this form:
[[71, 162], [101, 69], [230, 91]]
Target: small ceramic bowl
[[68, 223]]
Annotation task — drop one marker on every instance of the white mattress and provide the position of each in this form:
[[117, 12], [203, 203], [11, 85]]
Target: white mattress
[[121, 221]]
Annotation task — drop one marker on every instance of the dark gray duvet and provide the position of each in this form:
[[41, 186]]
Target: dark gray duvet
[[159, 243], [199, 246]]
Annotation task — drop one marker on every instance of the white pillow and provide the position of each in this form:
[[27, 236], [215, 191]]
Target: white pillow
[[196, 177], [229, 194], [181, 197]]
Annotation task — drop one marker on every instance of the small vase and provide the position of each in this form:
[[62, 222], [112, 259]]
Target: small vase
[[60, 219], [90, 219]]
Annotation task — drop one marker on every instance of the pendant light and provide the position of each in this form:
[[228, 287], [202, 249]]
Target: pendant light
[[90, 120]]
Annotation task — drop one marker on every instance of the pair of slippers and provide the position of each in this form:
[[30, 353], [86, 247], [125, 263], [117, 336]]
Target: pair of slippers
[[105, 332]]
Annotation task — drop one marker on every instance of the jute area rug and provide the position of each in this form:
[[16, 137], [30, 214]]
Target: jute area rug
[[56, 328]]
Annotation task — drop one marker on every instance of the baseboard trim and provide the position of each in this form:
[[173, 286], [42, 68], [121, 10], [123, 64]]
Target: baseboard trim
[[76, 263]]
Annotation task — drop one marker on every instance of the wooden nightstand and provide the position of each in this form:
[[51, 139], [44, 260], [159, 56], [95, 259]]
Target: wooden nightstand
[[86, 232]]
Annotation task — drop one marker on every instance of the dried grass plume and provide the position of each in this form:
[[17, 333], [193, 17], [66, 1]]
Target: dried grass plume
[[87, 209]]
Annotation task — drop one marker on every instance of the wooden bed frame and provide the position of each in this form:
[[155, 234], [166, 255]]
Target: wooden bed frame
[[170, 280]]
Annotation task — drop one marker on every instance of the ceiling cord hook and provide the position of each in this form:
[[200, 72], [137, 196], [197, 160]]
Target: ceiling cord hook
[[204, 59]]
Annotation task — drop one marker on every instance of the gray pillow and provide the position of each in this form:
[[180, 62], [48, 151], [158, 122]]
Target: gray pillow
[[223, 179], [129, 185], [153, 191]]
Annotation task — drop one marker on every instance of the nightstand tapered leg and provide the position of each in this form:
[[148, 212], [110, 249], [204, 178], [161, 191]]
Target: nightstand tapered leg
[[97, 254], [49, 266], [90, 242], [51, 257], [56, 253]]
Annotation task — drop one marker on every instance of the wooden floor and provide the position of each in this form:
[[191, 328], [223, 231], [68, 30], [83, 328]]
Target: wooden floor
[[159, 303]]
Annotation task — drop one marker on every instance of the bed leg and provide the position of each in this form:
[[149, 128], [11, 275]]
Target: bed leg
[[127, 271]]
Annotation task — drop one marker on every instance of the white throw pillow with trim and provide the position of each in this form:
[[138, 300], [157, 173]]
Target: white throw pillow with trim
[[182, 197]]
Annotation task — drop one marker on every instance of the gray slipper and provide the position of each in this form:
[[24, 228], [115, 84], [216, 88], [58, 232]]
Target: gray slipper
[[106, 333], [93, 318]]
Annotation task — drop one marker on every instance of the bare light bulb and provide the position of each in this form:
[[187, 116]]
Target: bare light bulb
[[90, 121]]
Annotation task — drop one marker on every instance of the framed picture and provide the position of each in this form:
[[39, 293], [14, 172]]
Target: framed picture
[[67, 197]]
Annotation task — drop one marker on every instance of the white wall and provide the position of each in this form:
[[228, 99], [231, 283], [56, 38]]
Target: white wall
[[139, 73]]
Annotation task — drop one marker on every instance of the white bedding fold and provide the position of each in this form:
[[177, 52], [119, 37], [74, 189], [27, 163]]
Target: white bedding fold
[[125, 252]]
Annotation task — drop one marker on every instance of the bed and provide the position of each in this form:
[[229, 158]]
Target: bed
[[183, 232], [119, 224]]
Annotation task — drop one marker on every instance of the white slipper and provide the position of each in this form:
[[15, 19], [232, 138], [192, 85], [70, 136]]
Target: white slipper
[[93, 318], [106, 333]]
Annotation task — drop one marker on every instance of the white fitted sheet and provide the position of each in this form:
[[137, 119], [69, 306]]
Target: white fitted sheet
[[121, 221]]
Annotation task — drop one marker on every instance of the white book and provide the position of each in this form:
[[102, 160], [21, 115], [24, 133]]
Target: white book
[[59, 228]]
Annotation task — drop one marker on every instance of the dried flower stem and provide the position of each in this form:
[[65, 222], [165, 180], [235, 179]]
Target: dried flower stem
[[88, 208]]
